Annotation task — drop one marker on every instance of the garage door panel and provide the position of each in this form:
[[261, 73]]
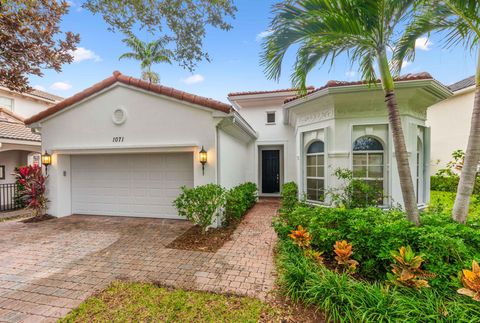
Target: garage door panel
[[129, 185]]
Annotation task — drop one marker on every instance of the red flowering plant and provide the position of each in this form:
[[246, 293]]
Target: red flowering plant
[[33, 189]]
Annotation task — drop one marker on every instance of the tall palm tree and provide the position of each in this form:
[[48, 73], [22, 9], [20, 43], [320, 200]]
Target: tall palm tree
[[459, 20], [148, 54], [363, 29]]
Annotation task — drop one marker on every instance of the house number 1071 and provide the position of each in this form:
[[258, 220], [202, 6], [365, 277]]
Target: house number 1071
[[118, 139]]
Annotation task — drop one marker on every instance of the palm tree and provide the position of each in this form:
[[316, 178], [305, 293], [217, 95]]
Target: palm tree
[[363, 29], [460, 21], [148, 54]]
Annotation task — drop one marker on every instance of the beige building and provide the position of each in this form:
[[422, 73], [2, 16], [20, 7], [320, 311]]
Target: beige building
[[449, 121]]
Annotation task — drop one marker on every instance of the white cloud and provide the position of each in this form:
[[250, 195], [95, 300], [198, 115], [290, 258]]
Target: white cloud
[[61, 86], [423, 43], [83, 54], [350, 74], [194, 79], [39, 87], [405, 64], [263, 34]]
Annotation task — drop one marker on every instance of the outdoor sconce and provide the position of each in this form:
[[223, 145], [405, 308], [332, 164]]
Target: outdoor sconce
[[203, 159], [46, 161]]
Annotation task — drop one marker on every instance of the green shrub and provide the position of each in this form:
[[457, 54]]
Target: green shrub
[[450, 184], [447, 246], [355, 192], [239, 200], [289, 197], [344, 299], [200, 204]]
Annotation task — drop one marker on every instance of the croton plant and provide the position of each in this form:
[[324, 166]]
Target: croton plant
[[33, 189]]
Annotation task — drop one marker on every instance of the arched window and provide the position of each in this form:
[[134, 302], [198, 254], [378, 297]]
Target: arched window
[[368, 162], [316, 171]]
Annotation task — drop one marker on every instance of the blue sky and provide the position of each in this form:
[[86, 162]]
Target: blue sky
[[235, 58]]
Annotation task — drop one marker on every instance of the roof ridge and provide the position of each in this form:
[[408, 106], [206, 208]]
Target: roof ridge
[[334, 83], [131, 81], [267, 91]]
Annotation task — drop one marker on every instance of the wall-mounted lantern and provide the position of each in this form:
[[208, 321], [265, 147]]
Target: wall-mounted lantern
[[203, 159], [46, 161]]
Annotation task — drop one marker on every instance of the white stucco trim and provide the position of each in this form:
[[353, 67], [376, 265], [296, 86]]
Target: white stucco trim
[[134, 149]]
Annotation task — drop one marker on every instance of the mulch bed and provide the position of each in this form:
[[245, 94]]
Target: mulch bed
[[211, 241], [35, 219]]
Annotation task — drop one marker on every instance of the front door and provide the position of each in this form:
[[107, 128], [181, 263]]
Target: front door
[[270, 171]]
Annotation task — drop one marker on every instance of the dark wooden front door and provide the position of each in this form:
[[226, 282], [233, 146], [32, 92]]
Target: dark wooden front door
[[270, 171]]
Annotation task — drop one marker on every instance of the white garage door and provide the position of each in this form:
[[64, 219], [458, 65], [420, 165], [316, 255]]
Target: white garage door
[[142, 185]]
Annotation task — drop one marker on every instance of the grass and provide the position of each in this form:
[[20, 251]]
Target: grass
[[142, 302]]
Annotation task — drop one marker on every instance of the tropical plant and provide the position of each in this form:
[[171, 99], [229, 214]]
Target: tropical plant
[[148, 54], [183, 23], [364, 30], [343, 251], [407, 269], [459, 20], [454, 166], [201, 204], [32, 188], [314, 255], [301, 237], [471, 282]]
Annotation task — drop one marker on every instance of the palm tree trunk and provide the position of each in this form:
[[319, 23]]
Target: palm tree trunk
[[401, 155], [472, 157]]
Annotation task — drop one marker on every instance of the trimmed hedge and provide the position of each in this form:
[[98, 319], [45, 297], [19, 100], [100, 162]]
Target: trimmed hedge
[[450, 184], [289, 197], [239, 200]]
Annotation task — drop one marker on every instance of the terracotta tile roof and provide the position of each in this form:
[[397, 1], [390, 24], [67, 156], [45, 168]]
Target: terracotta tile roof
[[46, 95], [128, 80], [266, 92], [12, 127], [463, 84], [332, 83]]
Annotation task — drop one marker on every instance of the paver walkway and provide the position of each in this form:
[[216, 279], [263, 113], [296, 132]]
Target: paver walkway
[[50, 267]]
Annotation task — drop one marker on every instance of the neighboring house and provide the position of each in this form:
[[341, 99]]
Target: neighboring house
[[18, 145], [450, 122], [125, 146]]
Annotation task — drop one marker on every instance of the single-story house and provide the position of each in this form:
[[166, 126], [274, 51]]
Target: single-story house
[[125, 146], [450, 122]]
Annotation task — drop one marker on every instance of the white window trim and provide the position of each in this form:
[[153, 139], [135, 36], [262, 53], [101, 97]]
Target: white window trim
[[10, 98], [274, 116], [385, 166], [306, 177]]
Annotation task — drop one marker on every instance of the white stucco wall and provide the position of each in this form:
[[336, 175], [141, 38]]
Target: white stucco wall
[[11, 159], [450, 122], [270, 135], [25, 106], [154, 124], [232, 155]]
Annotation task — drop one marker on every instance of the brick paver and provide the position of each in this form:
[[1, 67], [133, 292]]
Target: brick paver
[[50, 267]]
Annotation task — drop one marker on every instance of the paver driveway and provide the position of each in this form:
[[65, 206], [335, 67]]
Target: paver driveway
[[50, 267]]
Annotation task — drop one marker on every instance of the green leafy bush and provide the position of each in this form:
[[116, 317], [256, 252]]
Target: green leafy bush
[[289, 197], [344, 299], [200, 204], [355, 192], [447, 246], [239, 200], [450, 184]]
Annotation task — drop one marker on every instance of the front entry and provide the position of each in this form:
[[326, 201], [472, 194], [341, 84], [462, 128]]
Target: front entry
[[271, 171]]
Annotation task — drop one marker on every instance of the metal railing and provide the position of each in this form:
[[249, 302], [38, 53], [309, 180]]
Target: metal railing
[[9, 197]]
